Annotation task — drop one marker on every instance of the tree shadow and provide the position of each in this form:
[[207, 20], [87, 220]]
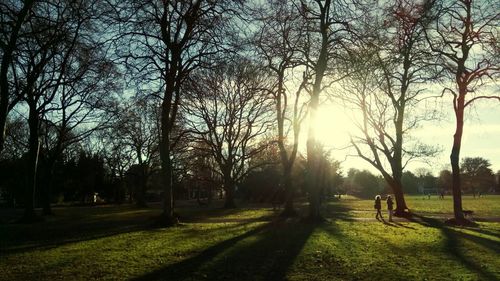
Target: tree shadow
[[82, 224], [452, 244], [484, 231], [337, 211], [207, 212], [485, 242], [265, 253], [388, 223], [45, 237], [78, 224], [402, 225]]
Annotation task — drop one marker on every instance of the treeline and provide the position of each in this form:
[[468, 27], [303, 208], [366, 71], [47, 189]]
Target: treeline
[[83, 178], [118, 97]]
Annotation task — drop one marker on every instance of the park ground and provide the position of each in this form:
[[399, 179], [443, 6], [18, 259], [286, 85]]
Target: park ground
[[253, 243]]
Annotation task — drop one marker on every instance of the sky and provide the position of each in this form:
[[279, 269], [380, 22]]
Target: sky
[[481, 137]]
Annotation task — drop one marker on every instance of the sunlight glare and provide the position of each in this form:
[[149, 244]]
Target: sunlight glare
[[333, 126]]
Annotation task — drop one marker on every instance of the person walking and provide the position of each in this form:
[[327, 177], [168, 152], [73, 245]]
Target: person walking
[[390, 205], [378, 206]]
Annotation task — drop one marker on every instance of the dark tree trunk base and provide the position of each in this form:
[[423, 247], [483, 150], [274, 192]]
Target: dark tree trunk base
[[403, 214], [165, 220], [289, 213], [314, 219], [460, 222]]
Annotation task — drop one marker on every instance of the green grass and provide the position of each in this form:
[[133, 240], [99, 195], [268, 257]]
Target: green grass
[[483, 207], [487, 206], [115, 243]]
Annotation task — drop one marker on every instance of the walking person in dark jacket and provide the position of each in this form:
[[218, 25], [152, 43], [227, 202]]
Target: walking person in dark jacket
[[390, 205], [378, 206]]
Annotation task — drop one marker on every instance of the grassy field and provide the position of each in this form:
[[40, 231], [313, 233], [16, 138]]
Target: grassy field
[[251, 243], [484, 207]]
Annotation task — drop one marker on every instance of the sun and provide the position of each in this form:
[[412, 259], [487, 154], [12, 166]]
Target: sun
[[333, 126]]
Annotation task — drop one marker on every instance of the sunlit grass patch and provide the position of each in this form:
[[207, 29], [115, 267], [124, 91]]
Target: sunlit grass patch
[[118, 256], [486, 206], [374, 251]]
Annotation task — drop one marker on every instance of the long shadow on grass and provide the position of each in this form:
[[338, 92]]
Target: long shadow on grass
[[85, 224], [44, 238], [265, 253], [204, 212], [82, 224], [484, 231], [452, 244], [338, 211]]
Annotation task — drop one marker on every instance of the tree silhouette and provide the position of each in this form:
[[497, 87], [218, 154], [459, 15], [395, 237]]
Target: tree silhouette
[[52, 66], [327, 32], [168, 40], [278, 40], [138, 127], [11, 26], [229, 112]]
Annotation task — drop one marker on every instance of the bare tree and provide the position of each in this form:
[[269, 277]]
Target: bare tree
[[278, 40], [203, 170], [58, 67], [465, 43], [168, 40], [327, 26], [13, 16], [117, 159], [137, 126], [16, 138], [387, 75], [83, 105], [229, 113]]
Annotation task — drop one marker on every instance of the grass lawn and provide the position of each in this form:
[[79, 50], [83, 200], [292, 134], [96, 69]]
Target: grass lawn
[[484, 207], [249, 243]]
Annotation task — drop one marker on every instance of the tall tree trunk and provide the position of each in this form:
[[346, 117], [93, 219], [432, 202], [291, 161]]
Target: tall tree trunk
[[4, 105], [397, 164], [289, 209], [286, 162], [401, 208], [455, 157], [143, 181], [47, 189], [32, 165], [47, 192], [229, 188], [167, 217], [141, 193], [198, 194], [313, 165], [313, 147], [210, 195]]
